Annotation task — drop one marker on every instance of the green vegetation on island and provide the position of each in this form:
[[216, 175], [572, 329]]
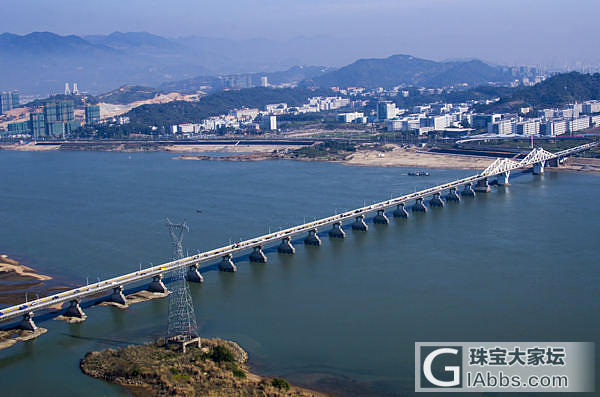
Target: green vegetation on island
[[218, 368]]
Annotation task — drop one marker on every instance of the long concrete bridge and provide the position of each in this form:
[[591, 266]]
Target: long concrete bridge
[[113, 288]]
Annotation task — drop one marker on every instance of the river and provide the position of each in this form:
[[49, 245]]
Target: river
[[516, 264]]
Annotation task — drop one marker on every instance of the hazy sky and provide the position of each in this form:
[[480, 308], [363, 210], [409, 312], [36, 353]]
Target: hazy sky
[[506, 31]]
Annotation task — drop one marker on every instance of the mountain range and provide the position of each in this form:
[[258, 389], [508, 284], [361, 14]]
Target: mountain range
[[411, 71], [41, 63]]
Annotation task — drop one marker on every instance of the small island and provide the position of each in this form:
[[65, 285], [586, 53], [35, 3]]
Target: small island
[[218, 368]]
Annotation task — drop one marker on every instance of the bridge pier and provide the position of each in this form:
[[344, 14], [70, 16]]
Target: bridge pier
[[452, 195], [337, 231], [483, 186], [503, 178], [400, 211], [360, 224], [380, 218], [27, 323], [312, 238], [117, 296], [538, 168], [419, 206], [468, 191], [193, 274], [436, 200], [74, 310], [157, 285], [227, 265], [286, 247], [258, 256]]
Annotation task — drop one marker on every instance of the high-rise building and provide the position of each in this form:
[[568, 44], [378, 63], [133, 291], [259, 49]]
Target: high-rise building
[[264, 81], [268, 123], [38, 125], [65, 110], [55, 129], [15, 99], [75, 89], [50, 112], [386, 110], [5, 102], [92, 114], [67, 89]]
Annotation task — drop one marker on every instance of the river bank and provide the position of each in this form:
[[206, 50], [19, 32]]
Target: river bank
[[218, 368], [371, 155]]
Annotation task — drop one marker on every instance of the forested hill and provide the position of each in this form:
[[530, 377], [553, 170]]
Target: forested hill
[[409, 70], [555, 91], [167, 114]]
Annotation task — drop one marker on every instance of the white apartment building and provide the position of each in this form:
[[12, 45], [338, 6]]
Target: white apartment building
[[589, 107], [578, 124], [502, 127], [437, 122], [276, 108], [529, 127], [555, 127], [245, 114]]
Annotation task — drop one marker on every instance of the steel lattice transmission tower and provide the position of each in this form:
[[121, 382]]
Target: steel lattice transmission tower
[[182, 320]]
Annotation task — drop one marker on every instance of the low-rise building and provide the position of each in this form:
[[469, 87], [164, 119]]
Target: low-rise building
[[480, 121], [349, 117]]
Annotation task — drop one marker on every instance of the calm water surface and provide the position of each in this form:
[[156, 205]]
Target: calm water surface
[[518, 264]]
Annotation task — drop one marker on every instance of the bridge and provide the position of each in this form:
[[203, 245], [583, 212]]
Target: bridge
[[537, 159]]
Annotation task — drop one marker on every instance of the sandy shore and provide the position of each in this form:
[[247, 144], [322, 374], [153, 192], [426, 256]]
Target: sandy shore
[[12, 337], [29, 147], [396, 156], [399, 157], [16, 278], [229, 148]]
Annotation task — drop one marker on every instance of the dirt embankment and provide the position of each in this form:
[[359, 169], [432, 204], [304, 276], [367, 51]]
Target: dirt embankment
[[218, 368]]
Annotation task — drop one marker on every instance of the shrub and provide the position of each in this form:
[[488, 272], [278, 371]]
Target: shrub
[[221, 354], [280, 384]]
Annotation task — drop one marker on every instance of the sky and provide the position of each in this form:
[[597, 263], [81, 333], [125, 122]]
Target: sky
[[500, 31]]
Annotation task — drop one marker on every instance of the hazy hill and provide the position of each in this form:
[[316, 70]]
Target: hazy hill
[[294, 74], [42, 62], [408, 70]]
